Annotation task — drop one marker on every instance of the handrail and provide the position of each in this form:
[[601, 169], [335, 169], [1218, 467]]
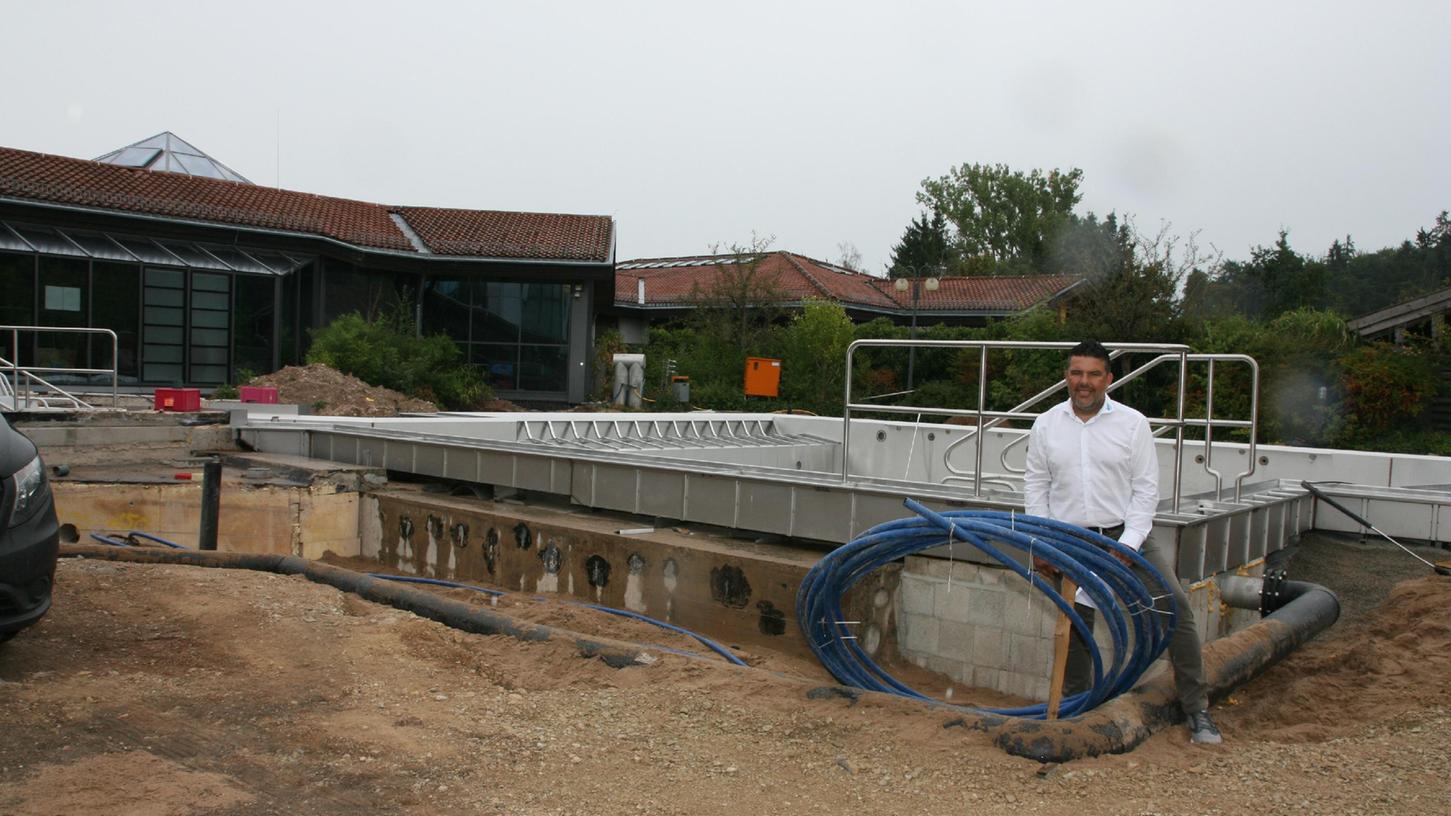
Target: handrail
[[32, 374], [1165, 351], [1208, 422]]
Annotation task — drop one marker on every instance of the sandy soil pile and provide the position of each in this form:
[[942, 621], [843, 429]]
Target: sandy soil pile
[[327, 391], [180, 690]]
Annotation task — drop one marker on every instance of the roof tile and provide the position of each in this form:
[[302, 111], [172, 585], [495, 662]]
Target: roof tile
[[671, 281], [77, 182], [493, 233]]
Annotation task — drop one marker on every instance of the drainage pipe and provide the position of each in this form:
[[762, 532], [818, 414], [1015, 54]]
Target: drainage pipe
[[1121, 724], [425, 604]]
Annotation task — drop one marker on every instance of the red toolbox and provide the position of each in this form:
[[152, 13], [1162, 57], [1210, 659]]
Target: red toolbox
[[178, 399], [264, 395]]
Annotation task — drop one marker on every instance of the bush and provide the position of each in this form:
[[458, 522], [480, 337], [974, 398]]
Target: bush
[[1386, 387], [814, 357], [387, 352]]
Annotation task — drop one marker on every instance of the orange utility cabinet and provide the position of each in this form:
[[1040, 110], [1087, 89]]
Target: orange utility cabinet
[[763, 377]]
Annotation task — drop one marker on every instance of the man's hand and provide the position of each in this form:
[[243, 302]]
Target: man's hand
[[1044, 568], [1128, 562]]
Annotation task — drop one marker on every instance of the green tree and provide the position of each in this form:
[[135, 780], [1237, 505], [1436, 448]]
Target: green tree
[[1275, 280], [742, 300], [814, 357], [1004, 218], [924, 245]]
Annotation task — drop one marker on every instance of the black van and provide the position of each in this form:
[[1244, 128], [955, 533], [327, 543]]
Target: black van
[[29, 534]]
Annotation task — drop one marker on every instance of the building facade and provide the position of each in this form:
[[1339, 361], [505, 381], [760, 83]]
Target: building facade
[[206, 277]]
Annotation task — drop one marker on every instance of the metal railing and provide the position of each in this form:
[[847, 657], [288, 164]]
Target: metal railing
[[23, 386], [1208, 423], [986, 419]]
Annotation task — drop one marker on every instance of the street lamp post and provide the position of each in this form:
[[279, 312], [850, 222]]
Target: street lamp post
[[901, 286]]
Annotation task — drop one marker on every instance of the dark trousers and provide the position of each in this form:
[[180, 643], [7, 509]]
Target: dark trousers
[[1184, 648]]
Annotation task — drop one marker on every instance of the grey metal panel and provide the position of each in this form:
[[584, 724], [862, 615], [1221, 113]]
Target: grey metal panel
[[616, 487], [399, 456], [535, 473], [1413, 520], [765, 507], [1187, 555], [561, 477], [288, 441], [662, 493], [871, 509], [1237, 549], [460, 463], [1216, 552], [495, 468], [1277, 528], [711, 499], [429, 460], [822, 513], [1193, 542], [581, 484], [370, 452]]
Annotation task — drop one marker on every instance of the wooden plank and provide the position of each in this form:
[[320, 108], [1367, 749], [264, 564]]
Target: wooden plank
[[1061, 634]]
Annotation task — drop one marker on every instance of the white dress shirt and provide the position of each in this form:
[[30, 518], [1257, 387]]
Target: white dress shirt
[[1099, 473]]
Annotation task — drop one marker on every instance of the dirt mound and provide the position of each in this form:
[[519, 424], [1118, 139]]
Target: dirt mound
[[1394, 662], [501, 406], [327, 391]]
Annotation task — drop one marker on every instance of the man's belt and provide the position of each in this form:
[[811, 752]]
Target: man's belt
[[1108, 532]]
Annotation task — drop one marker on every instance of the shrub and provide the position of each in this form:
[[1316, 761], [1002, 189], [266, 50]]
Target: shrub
[[814, 357], [386, 351], [1386, 387]]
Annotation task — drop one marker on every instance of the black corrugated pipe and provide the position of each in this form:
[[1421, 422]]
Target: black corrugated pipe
[[456, 614], [1122, 723]]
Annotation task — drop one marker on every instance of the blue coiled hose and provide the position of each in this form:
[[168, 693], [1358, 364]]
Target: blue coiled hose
[[1139, 632]]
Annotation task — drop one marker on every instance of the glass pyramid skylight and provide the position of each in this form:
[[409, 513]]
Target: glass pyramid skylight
[[170, 153]]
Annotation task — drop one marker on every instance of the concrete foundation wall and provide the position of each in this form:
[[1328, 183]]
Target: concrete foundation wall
[[983, 625], [305, 521]]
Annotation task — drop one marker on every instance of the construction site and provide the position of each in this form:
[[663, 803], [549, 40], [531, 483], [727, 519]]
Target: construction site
[[262, 610]]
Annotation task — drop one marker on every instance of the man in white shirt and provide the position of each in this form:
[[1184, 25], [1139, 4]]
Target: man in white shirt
[[1091, 462]]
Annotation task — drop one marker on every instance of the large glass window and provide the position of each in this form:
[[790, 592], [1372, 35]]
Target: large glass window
[[211, 306], [446, 309], [163, 325], [518, 333], [370, 293], [254, 311], [287, 331], [17, 303], [116, 305], [63, 302]]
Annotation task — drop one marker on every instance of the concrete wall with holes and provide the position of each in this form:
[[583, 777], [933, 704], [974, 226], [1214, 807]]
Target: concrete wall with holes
[[738, 592], [983, 626]]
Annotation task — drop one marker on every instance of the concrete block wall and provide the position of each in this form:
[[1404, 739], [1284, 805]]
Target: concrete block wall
[[984, 626], [978, 624]]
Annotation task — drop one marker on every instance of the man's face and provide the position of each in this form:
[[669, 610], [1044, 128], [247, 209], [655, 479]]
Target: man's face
[[1088, 379]]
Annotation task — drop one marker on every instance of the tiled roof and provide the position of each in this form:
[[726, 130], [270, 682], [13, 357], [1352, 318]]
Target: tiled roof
[[1007, 293], [77, 182], [492, 233], [794, 277], [673, 281]]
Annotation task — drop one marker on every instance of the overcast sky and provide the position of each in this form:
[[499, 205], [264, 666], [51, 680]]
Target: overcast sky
[[696, 124]]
